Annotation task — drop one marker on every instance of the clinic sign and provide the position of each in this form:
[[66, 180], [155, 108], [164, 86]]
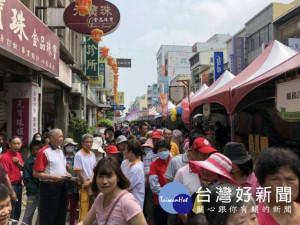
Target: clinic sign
[[91, 57], [218, 64], [288, 99], [24, 38], [103, 15]]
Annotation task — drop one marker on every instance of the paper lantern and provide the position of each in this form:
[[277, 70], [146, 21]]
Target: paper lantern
[[104, 51], [185, 115], [110, 60], [113, 64], [96, 35], [185, 104], [179, 111], [116, 69], [83, 7]]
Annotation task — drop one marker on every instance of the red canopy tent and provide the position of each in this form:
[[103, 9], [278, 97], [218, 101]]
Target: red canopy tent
[[201, 95], [230, 94]]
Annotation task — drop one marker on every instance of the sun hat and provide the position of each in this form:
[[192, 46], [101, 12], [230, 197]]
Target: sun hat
[[112, 149], [69, 141], [121, 139], [148, 143], [157, 134], [217, 163], [202, 145], [236, 152], [97, 144]]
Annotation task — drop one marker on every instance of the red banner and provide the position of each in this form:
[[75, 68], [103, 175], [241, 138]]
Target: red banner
[[20, 119], [23, 35]]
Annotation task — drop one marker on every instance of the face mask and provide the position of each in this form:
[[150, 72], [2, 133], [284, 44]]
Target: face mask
[[147, 150], [1, 150], [164, 155], [38, 139], [70, 148]]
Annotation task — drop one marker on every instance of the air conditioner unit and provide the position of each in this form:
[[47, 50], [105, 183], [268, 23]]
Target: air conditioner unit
[[76, 88], [77, 113]]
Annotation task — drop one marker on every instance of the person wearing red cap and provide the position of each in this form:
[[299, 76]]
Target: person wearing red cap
[[184, 174], [112, 151], [156, 136], [200, 149]]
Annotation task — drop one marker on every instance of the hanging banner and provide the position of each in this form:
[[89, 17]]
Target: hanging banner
[[218, 64], [238, 58], [98, 82], [251, 143], [120, 97], [91, 58], [206, 111], [264, 142], [164, 103], [23, 110], [109, 79], [34, 109], [204, 79]]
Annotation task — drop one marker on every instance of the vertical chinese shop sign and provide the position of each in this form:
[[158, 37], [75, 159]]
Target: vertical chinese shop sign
[[92, 61], [20, 118], [23, 105]]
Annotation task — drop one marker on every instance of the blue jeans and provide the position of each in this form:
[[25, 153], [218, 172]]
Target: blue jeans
[[32, 203], [16, 206]]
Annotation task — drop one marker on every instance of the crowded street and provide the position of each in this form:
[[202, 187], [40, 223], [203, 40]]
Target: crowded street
[[140, 112]]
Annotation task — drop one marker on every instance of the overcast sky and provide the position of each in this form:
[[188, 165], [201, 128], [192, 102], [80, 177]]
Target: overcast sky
[[147, 24]]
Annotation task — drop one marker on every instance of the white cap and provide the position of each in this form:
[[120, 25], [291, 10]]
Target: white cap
[[97, 144], [121, 139]]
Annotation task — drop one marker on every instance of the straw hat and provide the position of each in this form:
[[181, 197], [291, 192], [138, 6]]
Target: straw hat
[[69, 141]]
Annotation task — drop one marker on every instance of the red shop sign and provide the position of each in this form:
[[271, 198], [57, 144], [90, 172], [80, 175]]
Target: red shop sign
[[103, 15], [20, 119], [23, 35]]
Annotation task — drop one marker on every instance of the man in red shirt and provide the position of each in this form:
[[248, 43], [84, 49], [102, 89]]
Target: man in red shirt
[[13, 164]]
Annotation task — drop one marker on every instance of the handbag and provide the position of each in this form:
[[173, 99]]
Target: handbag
[[114, 205]]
